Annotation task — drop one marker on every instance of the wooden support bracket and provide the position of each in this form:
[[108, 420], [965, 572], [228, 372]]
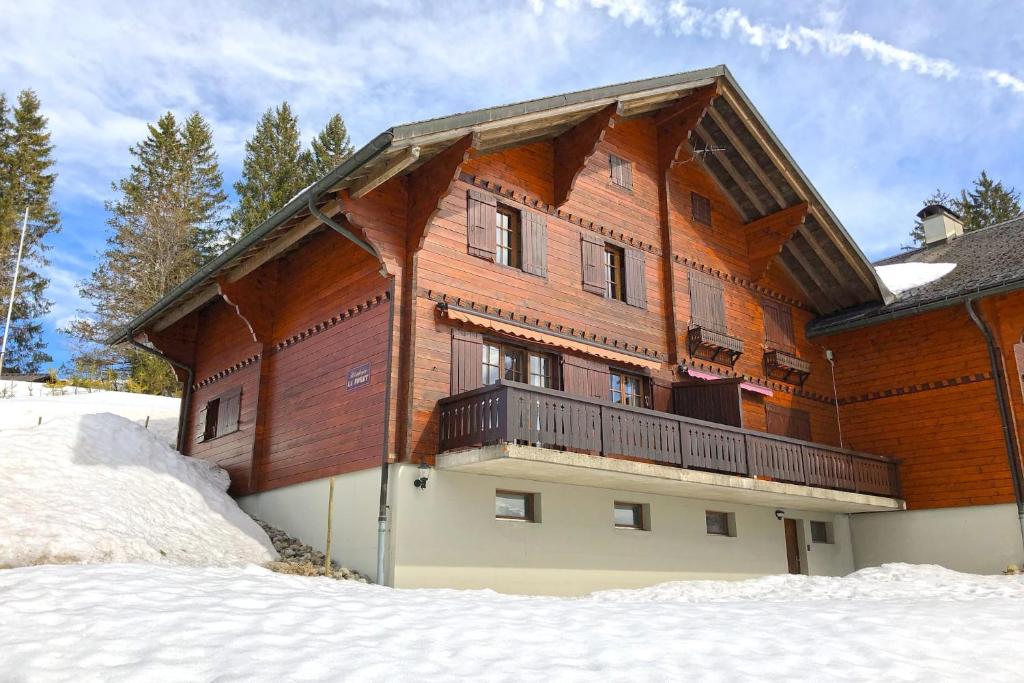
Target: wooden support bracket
[[430, 184], [253, 299], [575, 146], [766, 237]]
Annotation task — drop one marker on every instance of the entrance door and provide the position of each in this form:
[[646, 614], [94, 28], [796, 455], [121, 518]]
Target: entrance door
[[792, 547]]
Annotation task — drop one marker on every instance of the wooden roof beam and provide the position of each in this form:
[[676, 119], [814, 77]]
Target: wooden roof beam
[[741, 182], [575, 146], [675, 123], [404, 160], [253, 300], [824, 292], [747, 156], [768, 235], [430, 184]]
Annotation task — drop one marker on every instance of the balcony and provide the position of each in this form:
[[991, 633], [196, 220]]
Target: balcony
[[513, 413]]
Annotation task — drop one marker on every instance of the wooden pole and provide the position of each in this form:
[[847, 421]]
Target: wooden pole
[[330, 516]]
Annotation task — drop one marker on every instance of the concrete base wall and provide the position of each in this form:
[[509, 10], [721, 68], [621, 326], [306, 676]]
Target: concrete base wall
[[981, 540], [447, 536], [301, 510]]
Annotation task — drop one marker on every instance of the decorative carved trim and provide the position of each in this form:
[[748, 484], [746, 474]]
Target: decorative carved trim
[[226, 372], [917, 388], [736, 279], [575, 146], [774, 385]]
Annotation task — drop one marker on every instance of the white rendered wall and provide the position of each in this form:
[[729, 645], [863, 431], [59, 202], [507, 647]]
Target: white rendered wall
[[301, 510], [447, 536], [982, 539]]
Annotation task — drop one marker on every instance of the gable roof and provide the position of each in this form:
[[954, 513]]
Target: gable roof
[[987, 261], [756, 172]]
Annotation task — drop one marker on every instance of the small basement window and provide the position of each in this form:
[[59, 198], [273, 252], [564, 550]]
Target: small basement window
[[630, 516], [720, 523], [821, 532], [515, 505]]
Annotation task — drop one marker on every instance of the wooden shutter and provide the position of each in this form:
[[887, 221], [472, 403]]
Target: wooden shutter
[[715, 401], [584, 377], [200, 425], [467, 361], [228, 411], [535, 243], [707, 302], [796, 424], [636, 281], [1018, 354], [778, 325], [593, 263], [481, 224], [700, 208], [621, 171]]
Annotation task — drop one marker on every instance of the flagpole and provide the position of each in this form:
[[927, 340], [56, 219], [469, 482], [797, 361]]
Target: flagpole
[[14, 287]]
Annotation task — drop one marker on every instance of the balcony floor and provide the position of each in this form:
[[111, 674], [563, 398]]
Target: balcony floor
[[545, 464]]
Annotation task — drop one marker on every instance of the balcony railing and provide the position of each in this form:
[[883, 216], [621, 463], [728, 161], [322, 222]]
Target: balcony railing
[[509, 412]]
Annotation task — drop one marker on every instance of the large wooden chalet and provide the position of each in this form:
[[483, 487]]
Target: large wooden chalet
[[562, 344]]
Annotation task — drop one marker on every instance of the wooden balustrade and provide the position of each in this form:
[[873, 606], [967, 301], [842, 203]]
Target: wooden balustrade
[[509, 412]]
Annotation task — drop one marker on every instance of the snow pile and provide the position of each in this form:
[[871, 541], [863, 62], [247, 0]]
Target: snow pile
[[901, 277], [146, 622], [22, 404], [100, 488], [889, 582]]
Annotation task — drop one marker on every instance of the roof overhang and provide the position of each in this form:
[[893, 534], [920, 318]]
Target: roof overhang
[[754, 170]]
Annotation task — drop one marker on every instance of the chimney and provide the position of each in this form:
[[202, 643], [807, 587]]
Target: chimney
[[940, 224]]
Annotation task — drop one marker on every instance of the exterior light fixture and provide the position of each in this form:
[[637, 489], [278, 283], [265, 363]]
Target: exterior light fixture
[[779, 514], [421, 483]]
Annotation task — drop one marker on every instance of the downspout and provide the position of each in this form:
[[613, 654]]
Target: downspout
[[345, 232], [382, 512], [998, 376], [186, 396]]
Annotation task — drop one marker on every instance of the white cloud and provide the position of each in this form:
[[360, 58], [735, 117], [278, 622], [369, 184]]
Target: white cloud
[[1005, 80]]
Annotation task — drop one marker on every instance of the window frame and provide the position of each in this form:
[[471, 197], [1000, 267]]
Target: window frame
[[526, 353], [624, 376], [702, 216], [514, 232], [613, 263], [729, 519], [640, 516], [529, 506], [211, 413], [826, 527]]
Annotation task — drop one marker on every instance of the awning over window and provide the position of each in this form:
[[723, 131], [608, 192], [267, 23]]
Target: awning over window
[[530, 334], [746, 386]]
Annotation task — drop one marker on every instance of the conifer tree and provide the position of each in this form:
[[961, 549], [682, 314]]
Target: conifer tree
[[275, 169], [328, 149], [987, 204], [26, 180], [166, 221]]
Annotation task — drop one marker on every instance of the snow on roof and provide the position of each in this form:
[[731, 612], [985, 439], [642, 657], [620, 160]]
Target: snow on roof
[[902, 277]]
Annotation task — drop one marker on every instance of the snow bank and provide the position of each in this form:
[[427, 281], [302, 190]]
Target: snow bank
[[100, 488], [22, 404], [145, 622], [900, 277], [888, 582]]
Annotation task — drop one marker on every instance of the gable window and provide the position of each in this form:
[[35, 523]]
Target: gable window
[[700, 209], [630, 516], [778, 325], [626, 389], [613, 279], [219, 416], [516, 364], [515, 505], [821, 532], [720, 523], [621, 172], [506, 237]]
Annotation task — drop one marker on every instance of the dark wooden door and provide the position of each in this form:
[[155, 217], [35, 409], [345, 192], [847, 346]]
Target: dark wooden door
[[792, 547]]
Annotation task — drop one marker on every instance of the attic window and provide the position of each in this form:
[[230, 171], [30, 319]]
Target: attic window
[[700, 208], [621, 172]]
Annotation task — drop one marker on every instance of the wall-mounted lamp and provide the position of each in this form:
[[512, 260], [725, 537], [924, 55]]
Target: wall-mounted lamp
[[779, 514], [421, 483]]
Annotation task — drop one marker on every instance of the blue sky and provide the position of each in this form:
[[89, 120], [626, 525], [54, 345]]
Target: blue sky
[[879, 102]]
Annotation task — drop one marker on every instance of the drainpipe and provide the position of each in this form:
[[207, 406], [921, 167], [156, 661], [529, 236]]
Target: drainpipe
[[382, 512], [186, 396], [1005, 416], [344, 232]]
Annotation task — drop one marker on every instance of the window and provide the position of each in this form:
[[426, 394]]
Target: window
[[219, 416], [626, 389], [613, 280], [630, 516], [506, 237], [621, 172], [778, 325], [700, 207], [821, 532], [516, 364], [515, 505], [720, 523]]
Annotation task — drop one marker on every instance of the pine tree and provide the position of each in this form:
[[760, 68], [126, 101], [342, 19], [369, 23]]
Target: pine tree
[[275, 169], [166, 220], [26, 180], [988, 203], [328, 149]]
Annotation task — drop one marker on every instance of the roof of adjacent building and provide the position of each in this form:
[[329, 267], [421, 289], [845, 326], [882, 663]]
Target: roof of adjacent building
[[755, 171], [987, 261]]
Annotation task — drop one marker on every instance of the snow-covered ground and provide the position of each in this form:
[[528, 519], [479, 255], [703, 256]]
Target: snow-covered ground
[[101, 488], [22, 404], [160, 623]]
